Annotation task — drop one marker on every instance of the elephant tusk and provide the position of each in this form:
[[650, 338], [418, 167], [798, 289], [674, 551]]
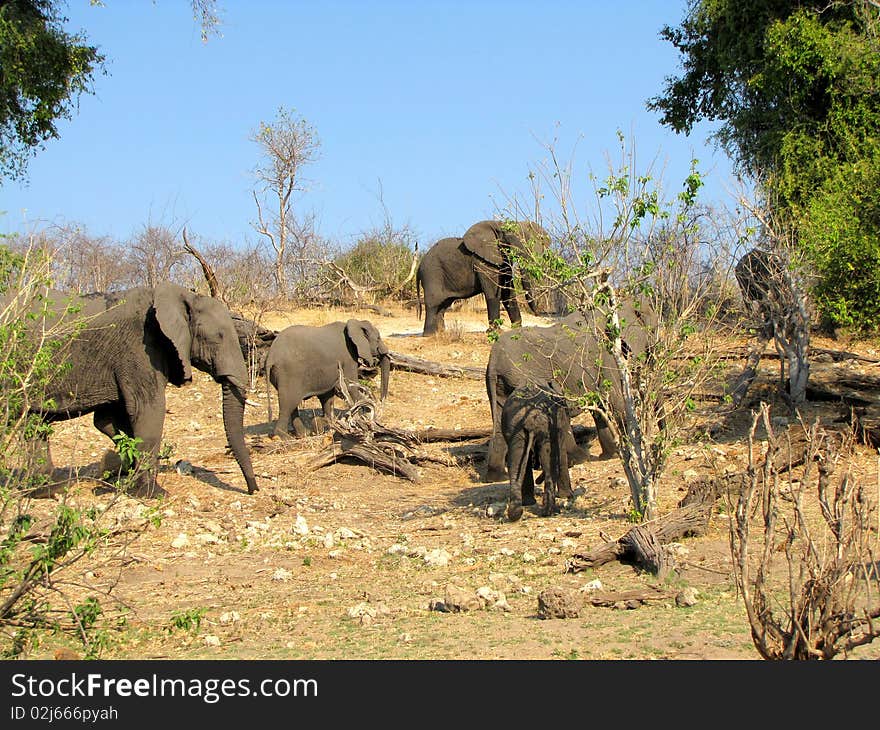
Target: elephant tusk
[[248, 402]]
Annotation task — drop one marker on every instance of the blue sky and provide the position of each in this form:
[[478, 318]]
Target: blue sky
[[437, 108]]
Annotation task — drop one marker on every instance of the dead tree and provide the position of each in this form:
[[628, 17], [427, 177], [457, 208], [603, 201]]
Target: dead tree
[[253, 339], [826, 601], [210, 276], [774, 298]]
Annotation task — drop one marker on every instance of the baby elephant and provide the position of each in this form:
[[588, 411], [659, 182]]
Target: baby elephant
[[535, 425], [304, 361]]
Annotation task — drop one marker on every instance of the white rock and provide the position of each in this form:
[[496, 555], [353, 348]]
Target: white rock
[[182, 540], [211, 640], [567, 542], [362, 609], [495, 509], [554, 550], [300, 526], [282, 574], [437, 558], [344, 533], [396, 548], [328, 540], [528, 558], [591, 587], [229, 617], [203, 538], [335, 554], [506, 551]]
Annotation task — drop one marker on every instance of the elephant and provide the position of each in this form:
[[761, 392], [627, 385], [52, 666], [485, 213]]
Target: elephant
[[572, 354], [535, 425], [132, 344], [304, 361], [480, 262]]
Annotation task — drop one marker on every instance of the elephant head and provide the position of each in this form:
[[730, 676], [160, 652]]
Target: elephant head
[[494, 241], [202, 334], [369, 349]]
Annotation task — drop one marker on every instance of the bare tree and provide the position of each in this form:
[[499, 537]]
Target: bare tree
[[286, 145], [824, 600], [642, 248], [155, 253]]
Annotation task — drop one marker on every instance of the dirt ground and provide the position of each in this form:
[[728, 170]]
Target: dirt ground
[[346, 562]]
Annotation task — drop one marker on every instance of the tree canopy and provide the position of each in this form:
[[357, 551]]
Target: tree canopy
[[796, 87], [43, 71]]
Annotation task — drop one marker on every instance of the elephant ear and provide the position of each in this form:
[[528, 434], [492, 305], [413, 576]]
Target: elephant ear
[[482, 239], [354, 330], [170, 302]]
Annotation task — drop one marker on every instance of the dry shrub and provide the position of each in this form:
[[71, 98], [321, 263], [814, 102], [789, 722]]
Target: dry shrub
[[811, 591]]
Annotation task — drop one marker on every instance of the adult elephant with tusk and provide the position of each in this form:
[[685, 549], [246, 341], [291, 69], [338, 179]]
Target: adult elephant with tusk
[[482, 261], [305, 361], [131, 345]]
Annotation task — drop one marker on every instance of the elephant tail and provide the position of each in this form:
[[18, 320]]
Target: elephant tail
[[267, 372]]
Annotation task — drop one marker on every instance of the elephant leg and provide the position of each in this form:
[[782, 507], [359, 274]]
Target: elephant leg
[[147, 421], [528, 486], [488, 281], [40, 454], [435, 317], [562, 476], [496, 458], [606, 436], [519, 464], [550, 480], [288, 409], [112, 420], [322, 423]]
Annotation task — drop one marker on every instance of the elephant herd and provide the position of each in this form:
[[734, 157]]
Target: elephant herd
[[134, 343]]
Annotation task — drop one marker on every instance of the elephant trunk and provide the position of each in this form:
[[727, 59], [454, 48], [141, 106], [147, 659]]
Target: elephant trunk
[[233, 423], [539, 299], [385, 369]]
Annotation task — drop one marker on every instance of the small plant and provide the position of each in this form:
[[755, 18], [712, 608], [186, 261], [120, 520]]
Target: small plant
[[128, 449], [187, 619], [167, 451]]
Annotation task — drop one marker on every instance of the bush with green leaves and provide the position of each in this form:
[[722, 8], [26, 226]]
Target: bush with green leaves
[[381, 264]]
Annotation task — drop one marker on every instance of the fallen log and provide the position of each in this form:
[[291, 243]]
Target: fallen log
[[370, 454], [428, 435], [427, 367], [644, 544]]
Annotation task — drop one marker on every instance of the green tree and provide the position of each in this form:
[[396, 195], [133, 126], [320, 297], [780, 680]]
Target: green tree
[[44, 70], [794, 84]]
